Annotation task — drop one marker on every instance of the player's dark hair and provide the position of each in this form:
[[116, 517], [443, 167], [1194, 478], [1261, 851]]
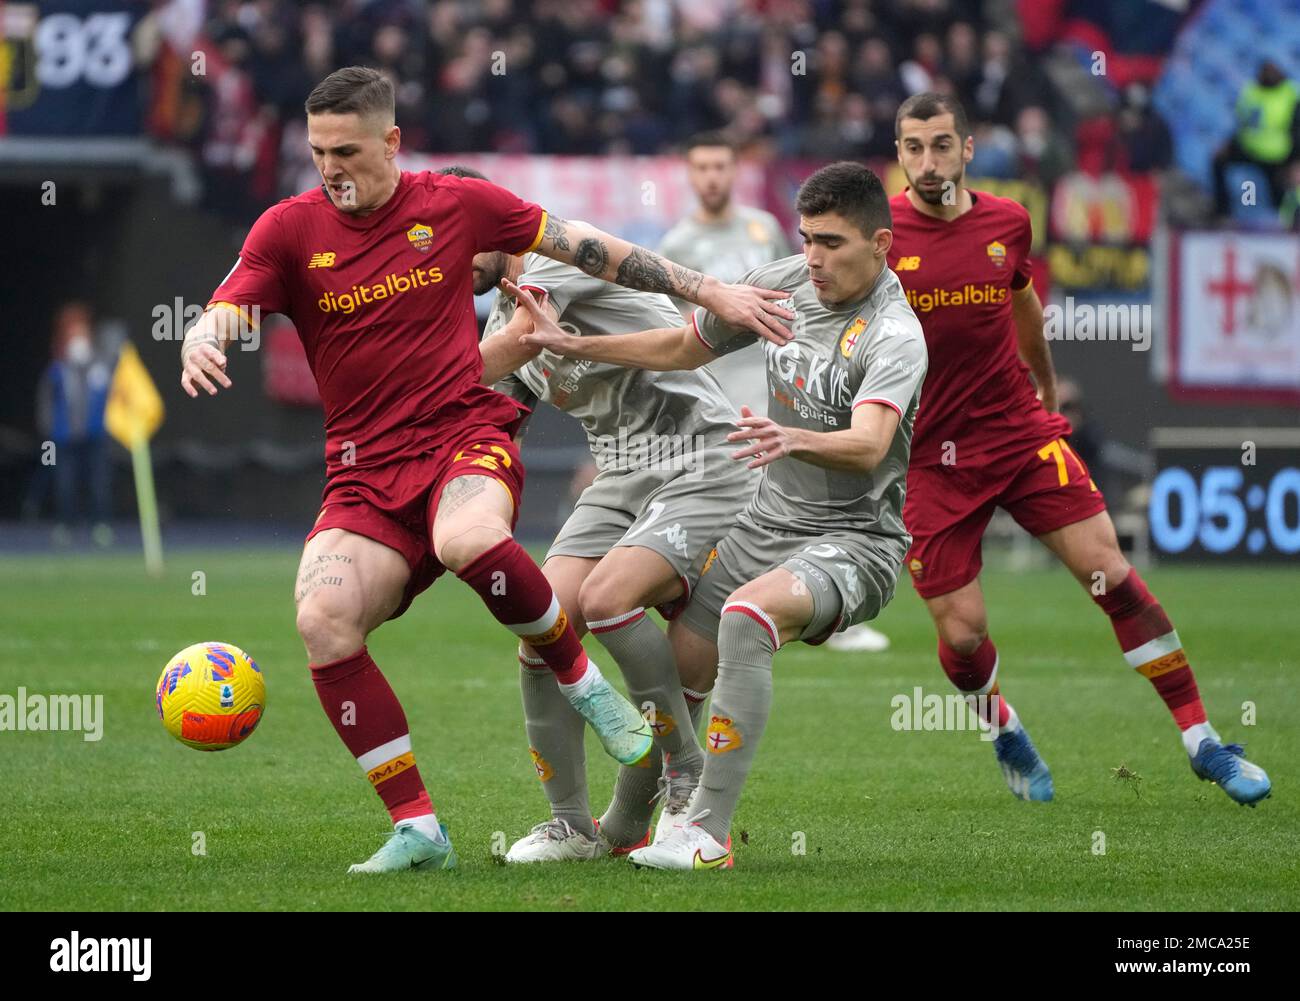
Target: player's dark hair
[[460, 170], [848, 189], [356, 90], [710, 139], [927, 105]]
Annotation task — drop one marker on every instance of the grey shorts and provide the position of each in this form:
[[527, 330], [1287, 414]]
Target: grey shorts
[[679, 515], [850, 576]]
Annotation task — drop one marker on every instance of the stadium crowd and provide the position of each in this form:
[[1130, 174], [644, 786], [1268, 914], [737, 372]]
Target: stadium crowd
[[793, 78]]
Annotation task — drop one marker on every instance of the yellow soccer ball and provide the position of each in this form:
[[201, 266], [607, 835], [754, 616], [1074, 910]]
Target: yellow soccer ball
[[211, 696]]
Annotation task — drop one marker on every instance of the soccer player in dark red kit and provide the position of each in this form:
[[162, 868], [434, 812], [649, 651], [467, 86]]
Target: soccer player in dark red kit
[[984, 439], [423, 475]]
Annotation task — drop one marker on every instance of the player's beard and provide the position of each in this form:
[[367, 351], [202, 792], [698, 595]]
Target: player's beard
[[716, 202], [935, 196]]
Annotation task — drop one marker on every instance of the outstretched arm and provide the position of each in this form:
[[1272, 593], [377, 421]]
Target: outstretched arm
[[615, 260], [503, 352], [666, 349]]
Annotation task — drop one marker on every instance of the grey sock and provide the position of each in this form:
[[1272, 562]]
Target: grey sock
[[555, 739], [629, 813], [741, 703], [696, 703], [645, 657]]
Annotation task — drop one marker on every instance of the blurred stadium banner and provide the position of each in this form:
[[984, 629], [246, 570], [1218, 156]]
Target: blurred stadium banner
[[1234, 317], [70, 68], [133, 415]]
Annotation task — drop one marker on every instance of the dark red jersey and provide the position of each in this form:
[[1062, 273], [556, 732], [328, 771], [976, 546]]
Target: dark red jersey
[[384, 305], [960, 277]]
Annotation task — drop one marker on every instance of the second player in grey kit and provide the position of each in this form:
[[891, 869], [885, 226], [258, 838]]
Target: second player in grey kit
[[821, 542], [726, 240], [636, 538]]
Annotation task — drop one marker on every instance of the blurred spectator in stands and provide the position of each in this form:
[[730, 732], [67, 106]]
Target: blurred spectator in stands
[[919, 73], [962, 61], [1041, 154], [70, 400], [995, 151], [1267, 135], [1289, 213], [1144, 135], [874, 75]]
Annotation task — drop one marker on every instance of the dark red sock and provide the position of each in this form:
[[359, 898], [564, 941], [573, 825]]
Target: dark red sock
[[1152, 647], [359, 702], [521, 599], [972, 675]]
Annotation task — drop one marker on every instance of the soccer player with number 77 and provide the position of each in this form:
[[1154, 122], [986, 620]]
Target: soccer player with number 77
[[423, 474], [984, 440]]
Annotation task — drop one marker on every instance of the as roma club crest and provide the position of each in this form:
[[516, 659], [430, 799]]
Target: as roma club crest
[[421, 237], [997, 254]]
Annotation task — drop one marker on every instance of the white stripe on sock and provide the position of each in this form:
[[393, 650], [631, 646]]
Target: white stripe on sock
[[385, 752], [617, 620], [538, 625], [766, 619], [1154, 649]]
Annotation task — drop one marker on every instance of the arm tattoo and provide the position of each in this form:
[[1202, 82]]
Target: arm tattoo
[[557, 232], [688, 282], [644, 271], [592, 256]]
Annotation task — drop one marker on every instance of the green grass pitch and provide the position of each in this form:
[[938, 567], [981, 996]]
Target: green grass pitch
[[887, 820]]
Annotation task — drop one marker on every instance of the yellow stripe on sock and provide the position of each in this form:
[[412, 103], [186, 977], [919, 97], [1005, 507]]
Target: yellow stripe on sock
[[394, 766], [1163, 665], [551, 635]]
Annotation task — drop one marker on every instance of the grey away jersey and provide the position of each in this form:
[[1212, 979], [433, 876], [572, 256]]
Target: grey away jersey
[[869, 351], [633, 417], [726, 251]]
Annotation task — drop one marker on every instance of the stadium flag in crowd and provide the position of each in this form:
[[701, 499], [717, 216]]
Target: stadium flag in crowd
[[133, 414]]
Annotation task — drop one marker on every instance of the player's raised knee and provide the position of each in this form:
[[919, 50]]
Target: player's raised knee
[[603, 597], [460, 550]]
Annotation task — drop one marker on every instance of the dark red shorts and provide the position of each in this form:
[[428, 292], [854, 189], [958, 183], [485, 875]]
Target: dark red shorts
[[395, 503], [948, 508]]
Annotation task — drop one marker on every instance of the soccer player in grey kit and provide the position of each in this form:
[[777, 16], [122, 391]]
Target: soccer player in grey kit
[[636, 539], [727, 240], [820, 544]]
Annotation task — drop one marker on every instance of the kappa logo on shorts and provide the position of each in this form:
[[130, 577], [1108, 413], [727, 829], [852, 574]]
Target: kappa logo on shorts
[[675, 536], [722, 735], [543, 767]]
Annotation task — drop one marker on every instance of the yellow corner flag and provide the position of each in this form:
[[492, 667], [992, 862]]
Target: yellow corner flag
[[133, 414]]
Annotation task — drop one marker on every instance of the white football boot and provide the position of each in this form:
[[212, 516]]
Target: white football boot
[[688, 847], [555, 841], [678, 793]]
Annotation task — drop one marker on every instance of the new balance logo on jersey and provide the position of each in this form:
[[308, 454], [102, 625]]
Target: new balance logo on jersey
[[325, 260], [907, 264]]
